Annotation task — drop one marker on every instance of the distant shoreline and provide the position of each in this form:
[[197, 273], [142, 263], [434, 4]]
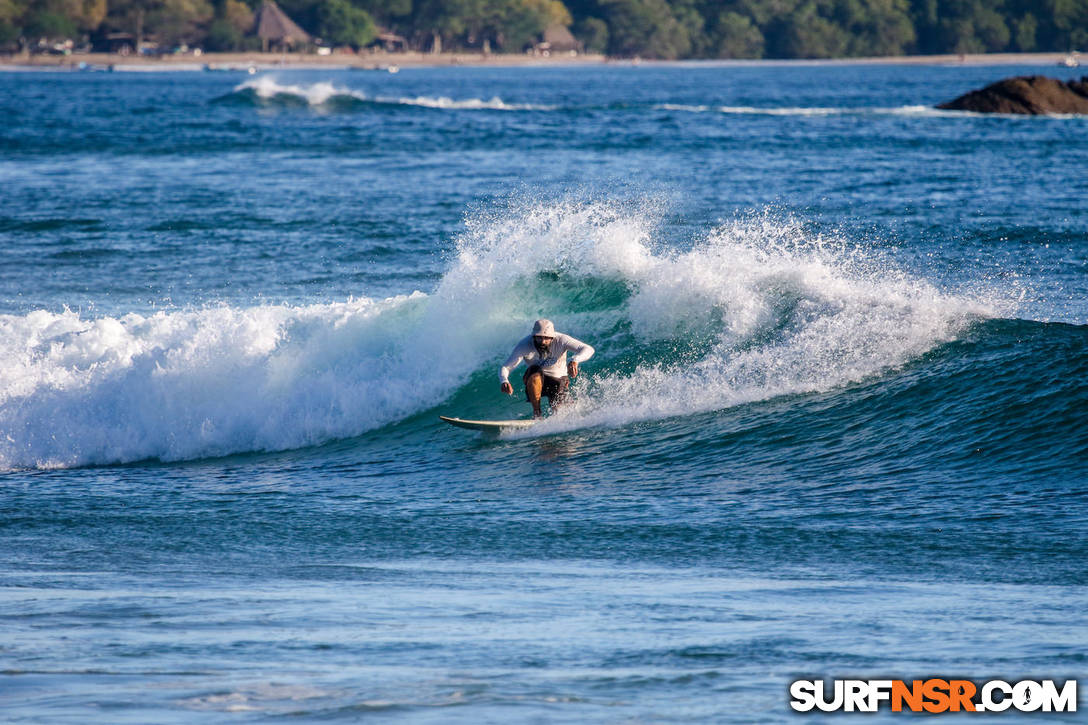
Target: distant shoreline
[[385, 61], [297, 61]]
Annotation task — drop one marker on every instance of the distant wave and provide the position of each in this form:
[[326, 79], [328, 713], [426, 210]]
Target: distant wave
[[758, 308], [494, 104], [681, 107], [914, 111], [268, 91], [809, 110]]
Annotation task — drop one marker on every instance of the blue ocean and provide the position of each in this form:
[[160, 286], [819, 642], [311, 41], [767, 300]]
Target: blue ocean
[[836, 424]]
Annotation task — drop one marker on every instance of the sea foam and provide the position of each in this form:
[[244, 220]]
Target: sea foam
[[775, 309], [911, 111], [268, 89], [758, 307]]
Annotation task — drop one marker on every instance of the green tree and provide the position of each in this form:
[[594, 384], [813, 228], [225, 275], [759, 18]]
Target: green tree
[[877, 27], [763, 13], [735, 36], [644, 28], [91, 14], [806, 33], [692, 21], [649, 28], [58, 18], [1024, 32], [238, 14], [926, 19], [341, 23], [442, 20], [958, 36], [508, 24], [11, 25], [233, 19], [968, 26], [11, 11], [593, 32], [515, 24], [991, 29], [178, 21], [221, 37], [48, 25], [386, 12], [1070, 23]]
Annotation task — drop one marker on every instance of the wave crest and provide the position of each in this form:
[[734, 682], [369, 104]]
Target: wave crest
[[266, 90], [759, 307]]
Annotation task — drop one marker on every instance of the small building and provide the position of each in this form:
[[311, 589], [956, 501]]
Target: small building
[[391, 42], [558, 39], [276, 30], [121, 43]]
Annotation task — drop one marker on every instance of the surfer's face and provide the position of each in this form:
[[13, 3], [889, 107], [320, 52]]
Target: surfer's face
[[541, 344]]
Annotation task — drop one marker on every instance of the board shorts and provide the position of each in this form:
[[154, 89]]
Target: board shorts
[[554, 389]]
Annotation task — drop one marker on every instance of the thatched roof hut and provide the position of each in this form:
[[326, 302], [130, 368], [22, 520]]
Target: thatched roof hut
[[274, 27], [558, 38]]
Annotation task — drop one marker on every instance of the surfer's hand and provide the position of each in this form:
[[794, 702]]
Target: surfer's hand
[[507, 388], [572, 368]]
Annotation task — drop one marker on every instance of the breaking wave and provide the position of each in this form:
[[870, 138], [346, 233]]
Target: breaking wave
[[267, 91], [757, 307]]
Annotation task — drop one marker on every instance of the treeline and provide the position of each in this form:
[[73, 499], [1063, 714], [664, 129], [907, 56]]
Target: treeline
[[626, 28]]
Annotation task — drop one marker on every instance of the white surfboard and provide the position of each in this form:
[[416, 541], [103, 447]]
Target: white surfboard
[[489, 426]]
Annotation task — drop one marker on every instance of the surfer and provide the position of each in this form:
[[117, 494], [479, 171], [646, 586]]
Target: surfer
[[545, 350]]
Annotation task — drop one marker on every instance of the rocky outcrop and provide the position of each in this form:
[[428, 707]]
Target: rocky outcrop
[[1033, 95]]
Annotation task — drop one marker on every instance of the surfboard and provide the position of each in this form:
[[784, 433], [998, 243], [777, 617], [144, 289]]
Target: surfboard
[[488, 426]]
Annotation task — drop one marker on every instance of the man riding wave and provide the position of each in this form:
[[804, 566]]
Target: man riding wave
[[545, 350]]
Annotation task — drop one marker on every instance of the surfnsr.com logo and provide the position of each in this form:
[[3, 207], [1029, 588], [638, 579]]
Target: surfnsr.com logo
[[934, 696]]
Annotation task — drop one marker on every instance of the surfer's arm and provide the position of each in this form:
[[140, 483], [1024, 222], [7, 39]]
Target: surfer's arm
[[582, 351], [513, 361]]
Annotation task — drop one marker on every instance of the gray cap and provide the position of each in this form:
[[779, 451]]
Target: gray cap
[[543, 328]]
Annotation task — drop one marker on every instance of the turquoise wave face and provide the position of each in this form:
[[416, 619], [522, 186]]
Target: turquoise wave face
[[757, 309]]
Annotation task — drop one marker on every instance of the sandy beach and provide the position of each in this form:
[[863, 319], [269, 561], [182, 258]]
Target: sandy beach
[[262, 61], [382, 61]]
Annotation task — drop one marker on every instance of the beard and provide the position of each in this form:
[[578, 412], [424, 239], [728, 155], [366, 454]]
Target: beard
[[541, 348]]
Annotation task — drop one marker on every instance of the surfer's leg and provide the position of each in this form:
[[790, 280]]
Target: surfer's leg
[[534, 386], [556, 390]]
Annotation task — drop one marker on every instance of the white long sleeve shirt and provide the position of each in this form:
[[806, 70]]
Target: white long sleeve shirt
[[554, 364]]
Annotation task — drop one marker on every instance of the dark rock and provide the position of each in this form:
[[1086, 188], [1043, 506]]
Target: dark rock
[[1033, 95]]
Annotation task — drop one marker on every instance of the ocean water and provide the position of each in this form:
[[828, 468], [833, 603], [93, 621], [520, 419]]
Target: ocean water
[[836, 425]]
